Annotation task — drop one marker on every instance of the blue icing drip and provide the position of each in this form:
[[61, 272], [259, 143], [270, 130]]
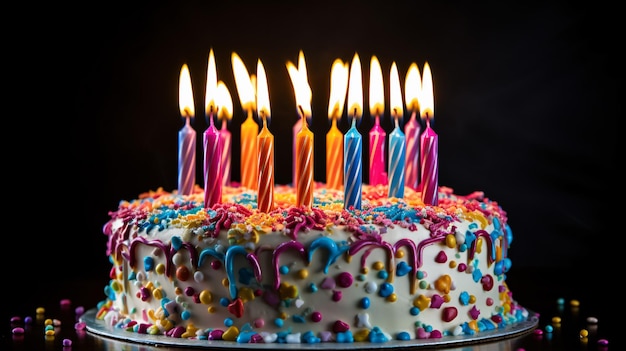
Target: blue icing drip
[[477, 275], [177, 242], [333, 248], [245, 275], [210, 252], [229, 263], [509, 234], [469, 238]]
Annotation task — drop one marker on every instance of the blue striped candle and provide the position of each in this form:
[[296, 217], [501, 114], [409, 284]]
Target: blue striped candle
[[397, 156], [353, 168]]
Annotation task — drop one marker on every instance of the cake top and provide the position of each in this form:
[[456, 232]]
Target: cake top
[[238, 214]]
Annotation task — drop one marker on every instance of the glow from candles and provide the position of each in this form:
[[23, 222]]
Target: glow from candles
[[186, 136], [265, 142], [397, 139], [378, 137], [412, 128], [334, 137], [249, 128], [211, 142], [353, 142], [300, 70], [429, 142], [225, 114], [304, 138]]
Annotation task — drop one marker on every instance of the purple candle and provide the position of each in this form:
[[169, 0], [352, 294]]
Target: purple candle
[[412, 128]]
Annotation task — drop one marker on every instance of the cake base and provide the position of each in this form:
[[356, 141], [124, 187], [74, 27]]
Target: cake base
[[98, 327]]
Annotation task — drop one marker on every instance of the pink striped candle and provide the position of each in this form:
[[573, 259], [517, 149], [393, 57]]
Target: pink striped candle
[[224, 113], [412, 128], [429, 143], [378, 137], [186, 136], [212, 166]]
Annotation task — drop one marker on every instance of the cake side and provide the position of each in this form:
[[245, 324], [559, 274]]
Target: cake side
[[394, 270]]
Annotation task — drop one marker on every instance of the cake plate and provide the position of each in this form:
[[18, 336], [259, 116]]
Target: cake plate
[[98, 327]]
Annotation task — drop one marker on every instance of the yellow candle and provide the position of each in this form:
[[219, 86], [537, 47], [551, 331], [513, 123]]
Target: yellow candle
[[265, 142], [249, 128], [334, 138]]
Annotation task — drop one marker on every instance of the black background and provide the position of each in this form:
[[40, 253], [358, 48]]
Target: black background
[[526, 109]]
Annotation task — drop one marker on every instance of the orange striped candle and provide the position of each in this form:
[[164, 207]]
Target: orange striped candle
[[334, 138], [249, 128], [304, 138]]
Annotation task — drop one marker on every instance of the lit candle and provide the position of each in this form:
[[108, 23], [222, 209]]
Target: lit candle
[[249, 128], [397, 139], [429, 142], [353, 143], [304, 138], [334, 137], [377, 174], [412, 128], [186, 136], [301, 68], [265, 142], [212, 143], [225, 113]]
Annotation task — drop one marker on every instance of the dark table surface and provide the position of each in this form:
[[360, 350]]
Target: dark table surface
[[545, 293]]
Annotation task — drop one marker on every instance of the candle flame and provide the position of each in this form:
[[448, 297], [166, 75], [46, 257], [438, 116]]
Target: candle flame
[[338, 88], [211, 86], [377, 95], [244, 82], [427, 101], [224, 102], [355, 89], [262, 93], [301, 87], [185, 93], [395, 92], [412, 88]]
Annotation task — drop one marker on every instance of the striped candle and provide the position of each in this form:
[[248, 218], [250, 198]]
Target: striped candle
[[249, 128], [212, 166], [265, 142], [334, 138], [429, 142], [378, 137], [353, 143], [397, 139], [353, 183], [304, 139], [412, 128], [186, 136], [304, 166], [224, 113]]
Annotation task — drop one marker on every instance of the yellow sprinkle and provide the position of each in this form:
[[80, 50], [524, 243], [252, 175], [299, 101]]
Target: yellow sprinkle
[[452, 264], [361, 335], [40, 310], [303, 273], [556, 319], [392, 298], [378, 265], [160, 268], [574, 303], [584, 333], [450, 241], [48, 322], [50, 332], [399, 253]]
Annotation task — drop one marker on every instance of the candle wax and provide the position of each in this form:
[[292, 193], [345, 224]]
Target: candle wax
[[412, 133], [186, 158], [397, 156], [304, 167], [377, 174], [430, 166], [249, 156], [265, 198], [226, 139], [334, 157], [212, 166]]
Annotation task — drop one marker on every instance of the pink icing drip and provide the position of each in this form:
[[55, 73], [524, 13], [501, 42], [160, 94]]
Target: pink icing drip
[[483, 233], [279, 250]]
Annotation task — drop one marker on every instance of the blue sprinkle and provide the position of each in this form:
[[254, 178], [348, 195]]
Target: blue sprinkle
[[361, 277], [365, 303], [177, 242], [284, 269], [403, 336], [313, 287], [224, 301], [477, 275], [310, 338], [382, 274], [228, 322], [148, 263], [386, 289], [464, 298], [298, 318], [244, 337], [403, 269], [185, 315], [414, 311], [279, 322]]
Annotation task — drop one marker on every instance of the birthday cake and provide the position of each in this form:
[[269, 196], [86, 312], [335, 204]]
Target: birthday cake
[[396, 269]]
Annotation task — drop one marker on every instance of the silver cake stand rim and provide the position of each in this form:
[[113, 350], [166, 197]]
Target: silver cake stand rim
[[99, 327]]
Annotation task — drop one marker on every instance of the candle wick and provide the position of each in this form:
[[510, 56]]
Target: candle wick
[[302, 113]]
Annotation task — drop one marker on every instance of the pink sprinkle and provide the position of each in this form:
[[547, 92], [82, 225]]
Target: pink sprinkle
[[441, 257], [16, 319], [80, 326], [344, 279], [337, 295], [66, 303], [316, 317], [603, 342], [80, 310], [18, 331]]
